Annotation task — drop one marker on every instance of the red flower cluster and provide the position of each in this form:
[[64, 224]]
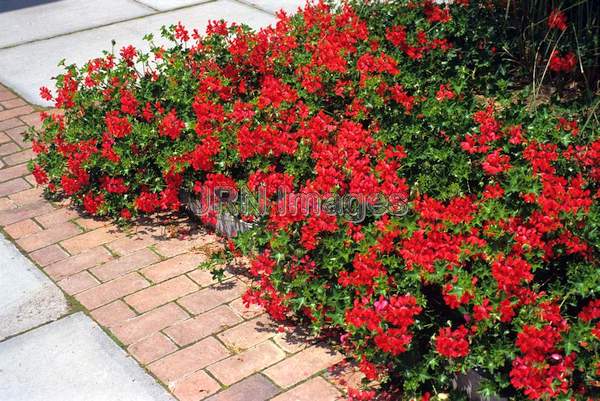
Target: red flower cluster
[[565, 63], [542, 371], [118, 127], [557, 20], [171, 126], [452, 343]]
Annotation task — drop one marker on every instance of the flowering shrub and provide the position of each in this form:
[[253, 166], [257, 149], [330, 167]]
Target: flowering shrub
[[494, 266], [566, 32]]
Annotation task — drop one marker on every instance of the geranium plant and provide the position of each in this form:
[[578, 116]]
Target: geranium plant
[[477, 239]]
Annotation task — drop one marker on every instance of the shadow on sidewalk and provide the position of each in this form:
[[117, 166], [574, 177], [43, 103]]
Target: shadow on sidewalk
[[11, 5]]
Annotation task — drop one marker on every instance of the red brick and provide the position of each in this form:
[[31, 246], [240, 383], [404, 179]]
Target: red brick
[[28, 211], [195, 387], [130, 244], [161, 294], [48, 255], [48, 237], [257, 385], [255, 359], [173, 267], [17, 135], [32, 120], [57, 216], [123, 265], [188, 360], [9, 148], [249, 312], [77, 263], [11, 187], [316, 389], [303, 365], [151, 348], [175, 246], [203, 277], [250, 333], [16, 112], [293, 341], [13, 172], [344, 375], [12, 103], [4, 138], [91, 239], [22, 229], [113, 314], [8, 124], [144, 325], [20, 157], [31, 180], [7, 204], [90, 223], [78, 282], [5, 94], [111, 291], [28, 196], [191, 330], [212, 297]]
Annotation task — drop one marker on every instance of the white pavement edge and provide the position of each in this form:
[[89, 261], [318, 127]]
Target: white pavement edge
[[27, 297]]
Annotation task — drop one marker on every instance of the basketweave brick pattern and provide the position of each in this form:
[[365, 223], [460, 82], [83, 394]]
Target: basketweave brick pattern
[[143, 285]]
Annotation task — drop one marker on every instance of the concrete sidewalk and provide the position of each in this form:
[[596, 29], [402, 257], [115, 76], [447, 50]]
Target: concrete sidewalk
[[72, 359], [62, 360], [36, 34], [27, 297]]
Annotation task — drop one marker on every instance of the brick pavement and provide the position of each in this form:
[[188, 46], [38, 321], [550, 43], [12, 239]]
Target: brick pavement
[[142, 284]]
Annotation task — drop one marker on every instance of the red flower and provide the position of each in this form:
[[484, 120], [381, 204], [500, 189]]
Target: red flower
[[437, 14], [92, 202], [40, 175], [147, 113], [482, 312], [368, 369], [444, 93], [129, 104], [564, 64], [493, 191], [557, 20], [128, 53], [591, 311], [181, 33], [452, 344], [171, 126], [147, 202], [45, 93], [543, 371], [113, 185], [119, 127], [510, 272], [400, 96], [496, 163], [125, 214], [397, 35]]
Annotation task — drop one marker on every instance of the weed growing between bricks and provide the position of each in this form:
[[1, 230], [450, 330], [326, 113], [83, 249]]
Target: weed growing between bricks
[[494, 267]]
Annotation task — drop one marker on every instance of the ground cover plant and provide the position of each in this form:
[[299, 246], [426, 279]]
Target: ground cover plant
[[477, 246]]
